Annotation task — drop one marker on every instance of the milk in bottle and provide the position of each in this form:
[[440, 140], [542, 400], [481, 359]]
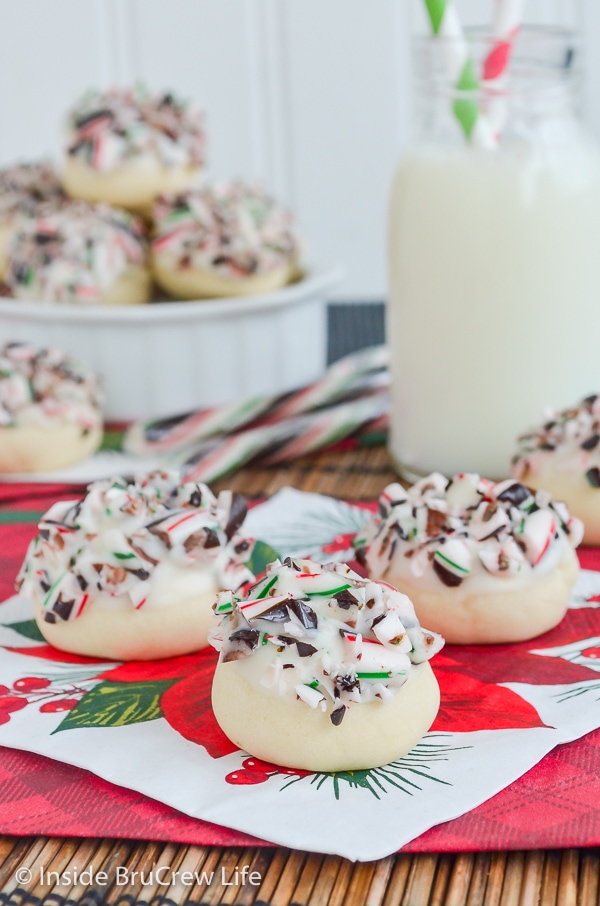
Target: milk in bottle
[[494, 267]]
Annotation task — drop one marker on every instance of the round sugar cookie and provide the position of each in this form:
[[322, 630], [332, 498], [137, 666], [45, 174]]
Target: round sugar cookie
[[131, 571], [126, 146], [50, 409], [322, 670], [483, 562], [80, 254], [230, 239]]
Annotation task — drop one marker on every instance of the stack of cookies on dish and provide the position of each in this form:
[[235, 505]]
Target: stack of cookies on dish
[[128, 207]]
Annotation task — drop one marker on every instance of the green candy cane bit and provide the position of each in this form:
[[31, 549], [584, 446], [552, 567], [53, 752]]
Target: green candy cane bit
[[123, 556], [313, 685], [224, 608], [382, 675], [330, 592], [265, 591], [451, 563], [52, 590]]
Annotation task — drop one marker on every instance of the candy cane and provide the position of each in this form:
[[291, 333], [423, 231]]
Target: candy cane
[[281, 440], [460, 71], [351, 376]]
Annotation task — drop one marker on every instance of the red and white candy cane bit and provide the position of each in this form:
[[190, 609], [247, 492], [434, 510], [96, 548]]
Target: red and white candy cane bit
[[361, 372], [253, 609], [82, 604]]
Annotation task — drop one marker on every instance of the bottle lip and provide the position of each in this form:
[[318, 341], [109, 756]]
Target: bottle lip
[[544, 36], [543, 58]]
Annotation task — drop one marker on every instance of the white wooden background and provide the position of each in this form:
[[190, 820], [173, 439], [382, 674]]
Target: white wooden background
[[310, 96]]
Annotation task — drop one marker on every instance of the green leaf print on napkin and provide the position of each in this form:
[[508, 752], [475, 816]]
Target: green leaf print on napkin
[[262, 554], [117, 705], [27, 628]]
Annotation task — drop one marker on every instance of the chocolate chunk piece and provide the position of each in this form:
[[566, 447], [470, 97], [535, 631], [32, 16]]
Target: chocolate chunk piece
[[304, 649], [276, 614], [63, 609], [345, 599], [303, 612], [448, 578], [347, 683], [516, 494], [237, 514], [436, 522], [593, 477], [248, 636], [337, 715], [591, 442]]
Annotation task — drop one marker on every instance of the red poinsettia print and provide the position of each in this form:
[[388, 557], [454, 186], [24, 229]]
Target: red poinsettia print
[[467, 704], [186, 703]]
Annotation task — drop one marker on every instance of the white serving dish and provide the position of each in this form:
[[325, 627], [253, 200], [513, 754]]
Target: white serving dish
[[169, 357]]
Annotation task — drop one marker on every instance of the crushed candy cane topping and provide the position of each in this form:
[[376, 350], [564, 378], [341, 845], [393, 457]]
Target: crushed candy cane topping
[[24, 187], [570, 439], [323, 635], [460, 527], [232, 229], [74, 254], [115, 539], [111, 128], [45, 385]]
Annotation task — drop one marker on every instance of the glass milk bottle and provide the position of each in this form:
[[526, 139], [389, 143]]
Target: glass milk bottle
[[494, 262]]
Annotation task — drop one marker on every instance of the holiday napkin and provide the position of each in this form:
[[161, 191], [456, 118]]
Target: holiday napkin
[[149, 726]]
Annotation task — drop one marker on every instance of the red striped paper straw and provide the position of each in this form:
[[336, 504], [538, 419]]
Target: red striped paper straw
[[505, 27]]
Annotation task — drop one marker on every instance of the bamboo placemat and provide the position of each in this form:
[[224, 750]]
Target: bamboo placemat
[[290, 878]]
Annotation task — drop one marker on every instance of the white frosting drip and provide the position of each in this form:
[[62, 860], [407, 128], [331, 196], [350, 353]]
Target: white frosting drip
[[323, 635], [141, 544], [43, 386], [468, 529]]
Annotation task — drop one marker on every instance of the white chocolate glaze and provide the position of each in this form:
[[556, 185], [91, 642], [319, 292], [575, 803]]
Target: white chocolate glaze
[[466, 530], [323, 635]]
